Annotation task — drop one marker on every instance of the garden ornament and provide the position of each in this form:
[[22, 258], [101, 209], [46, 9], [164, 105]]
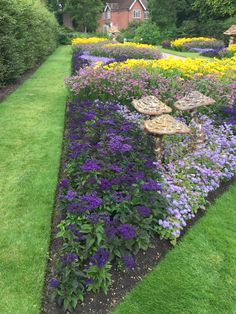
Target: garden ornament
[[191, 102], [150, 105], [164, 125], [231, 32]]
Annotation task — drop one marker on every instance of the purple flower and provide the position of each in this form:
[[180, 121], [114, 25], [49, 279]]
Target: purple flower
[[110, 232], [115, 143], [105, 184], [143, 211], [88, 281], [54, 283], [120, 197], [90, 201], [125, 148], [64, 184], [90, 165], [70, 195], [100, 258], [115, 168], [69, 258], [93, 218], [127, 232], [151, 185], [73, 229], [129, 261]]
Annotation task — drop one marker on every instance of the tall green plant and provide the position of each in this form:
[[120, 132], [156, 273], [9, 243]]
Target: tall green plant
[[28, 33]]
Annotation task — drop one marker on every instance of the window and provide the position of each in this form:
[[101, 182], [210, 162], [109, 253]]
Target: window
[[146, 15], [108, 14], [137, 14]]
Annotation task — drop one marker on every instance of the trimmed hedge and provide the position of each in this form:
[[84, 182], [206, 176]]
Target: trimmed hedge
[[28, 33]]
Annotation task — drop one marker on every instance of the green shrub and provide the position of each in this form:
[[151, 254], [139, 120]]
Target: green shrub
[[28, 33], [129, 32], [148, 33]]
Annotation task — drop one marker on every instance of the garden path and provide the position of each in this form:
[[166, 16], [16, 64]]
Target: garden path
[[31, 131], [167, 55]]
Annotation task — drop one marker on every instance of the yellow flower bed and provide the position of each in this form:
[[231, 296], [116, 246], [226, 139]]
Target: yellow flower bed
[[184, 68], [131, 45], [177, 43], [85, 41], [232, 48]]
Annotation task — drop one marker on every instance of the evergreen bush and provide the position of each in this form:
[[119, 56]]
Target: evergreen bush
[[28, 33]]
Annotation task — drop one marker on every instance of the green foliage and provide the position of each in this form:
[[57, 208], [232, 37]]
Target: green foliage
[[147, 33], [129, 32], [28, 33], [191, 18], [84, 13], [163, 12], [215, 8]]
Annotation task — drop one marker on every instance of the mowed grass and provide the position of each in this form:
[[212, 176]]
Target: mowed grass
[[185, 54], [31, 131], [199, 275]]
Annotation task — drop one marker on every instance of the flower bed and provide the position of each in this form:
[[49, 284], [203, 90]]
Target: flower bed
[[179, 44], [187, 68], [114, 195], [87, 41], [127, 50], [125, 84], [109, 198], [232, 48], [189, 175]]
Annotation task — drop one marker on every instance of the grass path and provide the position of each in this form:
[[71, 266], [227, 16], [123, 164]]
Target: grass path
[[199, 275], [31, 130], [183, 54]]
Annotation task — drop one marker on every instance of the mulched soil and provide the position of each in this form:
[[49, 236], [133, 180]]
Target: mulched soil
[[123, 281], [6, 91]]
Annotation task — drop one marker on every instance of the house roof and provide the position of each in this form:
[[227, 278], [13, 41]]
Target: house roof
[[125, 4]]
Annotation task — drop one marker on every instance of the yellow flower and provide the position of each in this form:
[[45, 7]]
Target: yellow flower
[[232, 48], [177, 43], [186, 68], [85, 41]]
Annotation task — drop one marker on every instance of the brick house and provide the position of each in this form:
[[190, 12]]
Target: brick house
[[118, 14]]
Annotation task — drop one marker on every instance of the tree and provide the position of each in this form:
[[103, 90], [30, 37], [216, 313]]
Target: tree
[[163, 12], [215, 8], [84, 13]]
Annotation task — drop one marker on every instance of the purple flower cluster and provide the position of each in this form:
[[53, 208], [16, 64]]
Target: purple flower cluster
[[129, 261], [190, 177], [100, 258], [69, 258], [126, 232]]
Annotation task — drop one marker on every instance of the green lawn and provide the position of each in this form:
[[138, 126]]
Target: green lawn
[[185, 54], [31, 131], [199, 275]]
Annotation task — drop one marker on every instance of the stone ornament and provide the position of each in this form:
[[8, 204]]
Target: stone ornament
[[193, 101], [166, 125], [231, 32], [150, 105]]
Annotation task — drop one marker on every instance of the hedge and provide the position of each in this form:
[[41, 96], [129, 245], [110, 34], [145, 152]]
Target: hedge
[[28, 33]]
